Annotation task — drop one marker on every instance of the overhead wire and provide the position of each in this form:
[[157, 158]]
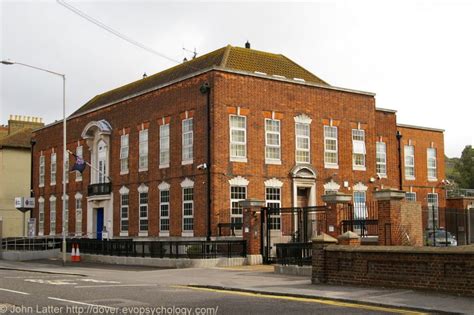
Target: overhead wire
[[117, 33]]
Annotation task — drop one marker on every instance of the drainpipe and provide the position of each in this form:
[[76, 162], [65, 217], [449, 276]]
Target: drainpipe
[[399, 139], [206, 89], [32, 193]]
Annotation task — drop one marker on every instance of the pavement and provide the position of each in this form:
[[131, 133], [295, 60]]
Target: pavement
[[261, 281]]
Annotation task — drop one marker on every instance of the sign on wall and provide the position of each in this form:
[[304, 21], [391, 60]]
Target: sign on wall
[[24, 203]]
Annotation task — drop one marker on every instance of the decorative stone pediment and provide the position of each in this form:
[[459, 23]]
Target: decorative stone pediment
[[102, 127], [303, 119], [142, 189], [78, 195], [124, 190], [164, 186], [331, 186], [359, 187], [52, 198], [273, 182], [41, 200], [187, 183], [303, 171], [239, 181]]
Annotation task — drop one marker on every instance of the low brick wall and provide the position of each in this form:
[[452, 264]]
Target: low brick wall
[[440, 269]]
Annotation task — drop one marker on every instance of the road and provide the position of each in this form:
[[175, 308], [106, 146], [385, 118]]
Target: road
[[140, 290]]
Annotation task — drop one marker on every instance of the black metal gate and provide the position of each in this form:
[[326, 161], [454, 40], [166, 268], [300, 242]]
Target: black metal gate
[[289, 225]]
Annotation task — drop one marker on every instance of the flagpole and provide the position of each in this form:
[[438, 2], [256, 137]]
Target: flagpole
[[92, 167]]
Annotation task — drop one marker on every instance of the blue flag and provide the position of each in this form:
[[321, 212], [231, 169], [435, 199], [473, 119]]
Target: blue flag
[[80, 165]]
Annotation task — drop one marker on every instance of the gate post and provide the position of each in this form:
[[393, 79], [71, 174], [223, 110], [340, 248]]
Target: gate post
[[252, 229], [389, 215], [335, 204]]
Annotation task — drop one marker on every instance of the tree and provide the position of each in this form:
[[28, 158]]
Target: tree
[[464, 168]]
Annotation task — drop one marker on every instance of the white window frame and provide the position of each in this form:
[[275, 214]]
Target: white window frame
[[66, 214], [410, 196], [41, 170], [124, 153], [433, 202], [275, 219], [79, 153], [187, 153], [381, 159], [409, 165], [78, 213], [187, 184], [328, 137], [358, 138], [124, 209], [52, 218], [234, 143], [142, 194], [54, 169], [302, 149], [143, 150], [432, 169], [164, 146], [271, 148], [66, 168], [164, 208], [40, 216]]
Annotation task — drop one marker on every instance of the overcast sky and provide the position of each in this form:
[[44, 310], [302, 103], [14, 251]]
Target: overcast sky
[[417, 56]]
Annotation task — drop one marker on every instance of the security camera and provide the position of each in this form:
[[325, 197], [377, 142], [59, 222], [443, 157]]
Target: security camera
[[379, 177], [202, 166]]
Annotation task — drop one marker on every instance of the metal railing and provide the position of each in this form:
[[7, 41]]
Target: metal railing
[[161, 249], [99, 189], [31, 244], [294, 253]]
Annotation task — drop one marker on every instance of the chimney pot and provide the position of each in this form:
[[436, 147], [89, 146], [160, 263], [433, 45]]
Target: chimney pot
[[247, 45]]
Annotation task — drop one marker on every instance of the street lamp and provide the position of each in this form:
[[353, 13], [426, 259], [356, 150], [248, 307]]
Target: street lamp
[[63, 76]]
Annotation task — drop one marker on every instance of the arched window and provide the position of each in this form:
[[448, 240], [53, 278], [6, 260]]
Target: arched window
[[101, 161]]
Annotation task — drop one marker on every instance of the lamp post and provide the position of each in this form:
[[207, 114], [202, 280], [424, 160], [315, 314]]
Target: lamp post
[[63, 76]]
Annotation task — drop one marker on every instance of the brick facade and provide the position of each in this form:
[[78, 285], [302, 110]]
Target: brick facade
[[254, 96]]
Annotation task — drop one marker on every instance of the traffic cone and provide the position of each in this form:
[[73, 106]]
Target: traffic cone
[[78, 254], [73, 253]]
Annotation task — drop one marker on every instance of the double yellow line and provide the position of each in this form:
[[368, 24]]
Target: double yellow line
[[302, 299]]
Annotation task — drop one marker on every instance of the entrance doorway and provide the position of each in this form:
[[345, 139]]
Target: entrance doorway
[[99, 222], [302, 197]]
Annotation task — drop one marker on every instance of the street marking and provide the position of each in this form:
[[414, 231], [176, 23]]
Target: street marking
[[114, 286], [13, 291], [302, 299], [53, 282], [80, 303], [68, 281]]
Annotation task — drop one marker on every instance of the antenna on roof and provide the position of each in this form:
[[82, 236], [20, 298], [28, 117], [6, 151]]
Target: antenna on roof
[[194, 52]]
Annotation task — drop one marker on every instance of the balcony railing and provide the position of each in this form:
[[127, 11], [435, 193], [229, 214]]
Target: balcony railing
[[99, 189]]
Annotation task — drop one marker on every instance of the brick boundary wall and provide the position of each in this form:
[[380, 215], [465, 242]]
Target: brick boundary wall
[[447, 270]]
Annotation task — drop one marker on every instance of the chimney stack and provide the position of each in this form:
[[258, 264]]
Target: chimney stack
[[247, 45]]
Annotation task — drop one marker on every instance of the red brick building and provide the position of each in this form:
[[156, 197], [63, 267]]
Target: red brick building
[[274, 131]]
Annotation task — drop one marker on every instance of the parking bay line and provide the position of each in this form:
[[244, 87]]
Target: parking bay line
[[13, 291], [114, 286], [80, 303]]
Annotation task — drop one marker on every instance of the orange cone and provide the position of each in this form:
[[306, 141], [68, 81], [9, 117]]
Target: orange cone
[[73, 253], [78, 254]]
